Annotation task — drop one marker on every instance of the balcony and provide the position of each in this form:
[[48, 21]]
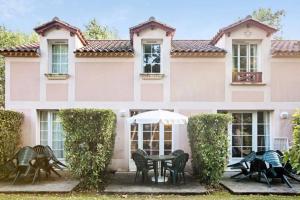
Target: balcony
[[247, 77]]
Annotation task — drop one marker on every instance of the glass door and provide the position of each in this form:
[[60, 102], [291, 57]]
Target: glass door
[[155, 139]]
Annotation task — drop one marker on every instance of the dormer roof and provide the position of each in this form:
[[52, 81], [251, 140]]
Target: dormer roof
[[248, 21], [59, 24], [151, 23]]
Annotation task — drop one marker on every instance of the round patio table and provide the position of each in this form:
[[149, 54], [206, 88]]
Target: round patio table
[[159, 158]]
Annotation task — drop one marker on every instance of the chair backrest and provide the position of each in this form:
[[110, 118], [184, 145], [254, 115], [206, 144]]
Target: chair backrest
[[248, 158], [139, 160], [25, 155], [177, 152], [39, 149], [50, 153], [180, 162], [272, 158], [142, 152]]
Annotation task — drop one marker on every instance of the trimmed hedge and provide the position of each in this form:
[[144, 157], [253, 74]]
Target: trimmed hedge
[[293, 155], [90, 138], [10, 132], [209, 145]]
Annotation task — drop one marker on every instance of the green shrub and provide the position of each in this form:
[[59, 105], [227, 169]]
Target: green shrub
[[10, 131], [293, 155], [90, 137], [209, 145]]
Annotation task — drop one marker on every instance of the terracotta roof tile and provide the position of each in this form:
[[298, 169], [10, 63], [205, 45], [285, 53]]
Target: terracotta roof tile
[[34, 47], [194, 46], [288, 46], [107, 46]]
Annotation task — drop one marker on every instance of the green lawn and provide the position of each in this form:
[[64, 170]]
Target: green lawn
[[83, 196]]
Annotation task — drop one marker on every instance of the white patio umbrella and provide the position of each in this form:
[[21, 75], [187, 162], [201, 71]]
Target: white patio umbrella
[[158, 116]]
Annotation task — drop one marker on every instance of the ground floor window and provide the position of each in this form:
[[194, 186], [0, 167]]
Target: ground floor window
[[155, 139], [51, 132], [249, 131]]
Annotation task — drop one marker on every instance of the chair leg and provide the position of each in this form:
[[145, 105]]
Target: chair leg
[[174, 177], [286, 181], [55, 172], [36, 174], [236, 175], [183, 176], [136, 175], [266, 178], [17, 176]]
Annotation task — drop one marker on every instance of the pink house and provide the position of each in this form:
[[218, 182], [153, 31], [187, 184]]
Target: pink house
[[241, 71]]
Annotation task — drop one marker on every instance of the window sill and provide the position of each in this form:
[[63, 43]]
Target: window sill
[[247, 84], [52, 76], [152, 76]]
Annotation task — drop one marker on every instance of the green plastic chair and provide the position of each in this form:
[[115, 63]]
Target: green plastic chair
[[177, 168], [142, 166], [24, 158]]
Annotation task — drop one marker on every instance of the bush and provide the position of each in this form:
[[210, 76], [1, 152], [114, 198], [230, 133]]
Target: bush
[[208, 140], [10, 131], [90, 137], [293, 155]]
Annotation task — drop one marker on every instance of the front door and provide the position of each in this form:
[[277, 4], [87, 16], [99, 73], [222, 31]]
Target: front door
[[155, 139], [249, 131]]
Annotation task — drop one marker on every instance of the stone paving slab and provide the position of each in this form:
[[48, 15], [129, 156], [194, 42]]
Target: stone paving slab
[[123, 182], [55, 184], [248, 186]]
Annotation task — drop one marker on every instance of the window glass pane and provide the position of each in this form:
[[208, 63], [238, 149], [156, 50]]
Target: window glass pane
[[155, 58], [237, 117], [253, 64], [147, 68], [253, 50], [247, 141], [236, 130], [156, 68], [236, 151], [235, 63], [147, 48], [59, 58], [235, 49], [247, 118], [155, 48], [237, 140], [64, 48], [243, 50], [243, 64]]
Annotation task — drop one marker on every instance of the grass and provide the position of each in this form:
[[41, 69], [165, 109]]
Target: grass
[[94, 196]]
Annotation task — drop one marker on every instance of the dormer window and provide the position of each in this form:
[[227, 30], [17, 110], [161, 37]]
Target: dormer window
[[245, 57], [245, 63], [59, 62], [152, 58]]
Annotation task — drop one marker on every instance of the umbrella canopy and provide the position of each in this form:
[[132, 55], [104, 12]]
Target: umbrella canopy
[[158, 116]]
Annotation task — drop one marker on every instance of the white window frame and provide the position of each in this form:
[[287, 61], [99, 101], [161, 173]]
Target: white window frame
[[258, 51], [152, 42], [254, 134], [50, 130], [50, 46]]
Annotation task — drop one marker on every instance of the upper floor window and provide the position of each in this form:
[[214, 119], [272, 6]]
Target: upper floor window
[[59, 58], [151, 58], [245, 57]]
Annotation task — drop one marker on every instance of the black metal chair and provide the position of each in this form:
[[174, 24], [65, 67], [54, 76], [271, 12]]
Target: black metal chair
[[142, 166], [243, 165]]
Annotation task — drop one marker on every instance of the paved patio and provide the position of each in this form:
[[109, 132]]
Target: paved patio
[[52, 184], [123, 182], [248, 186]]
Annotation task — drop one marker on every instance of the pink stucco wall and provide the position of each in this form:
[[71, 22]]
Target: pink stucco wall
[[104, 81], [152, 92], [285, 81], [24, 81], [57, 92], [197, 81], [247, 96]]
